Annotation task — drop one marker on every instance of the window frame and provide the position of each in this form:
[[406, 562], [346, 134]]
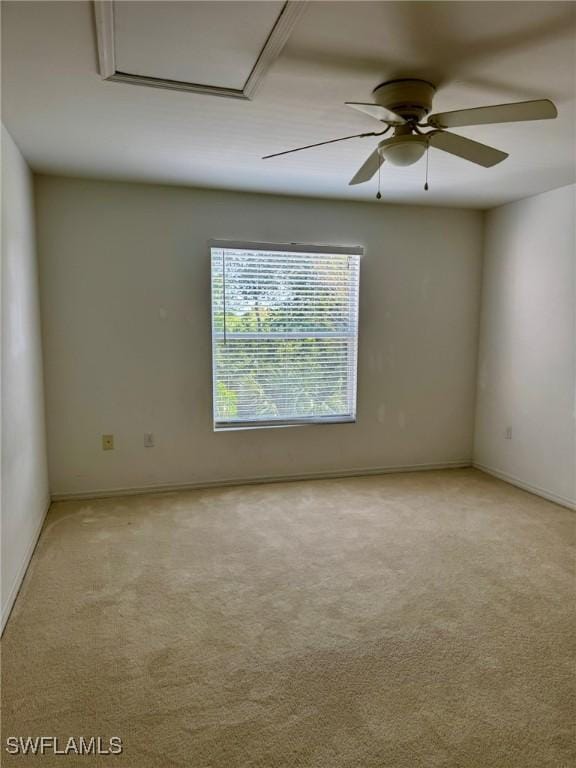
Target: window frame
[[357, 251]]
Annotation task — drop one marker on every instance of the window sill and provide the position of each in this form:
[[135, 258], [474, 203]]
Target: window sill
[[242, 426]]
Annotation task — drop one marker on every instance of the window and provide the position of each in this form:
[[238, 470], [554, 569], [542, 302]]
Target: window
[[284, 334]]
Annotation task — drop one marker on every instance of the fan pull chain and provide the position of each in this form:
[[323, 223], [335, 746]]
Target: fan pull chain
[[427, 156], [379, 194]]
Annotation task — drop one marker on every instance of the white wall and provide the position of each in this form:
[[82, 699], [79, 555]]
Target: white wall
[[527, 357], [126, 311], [25, 495]]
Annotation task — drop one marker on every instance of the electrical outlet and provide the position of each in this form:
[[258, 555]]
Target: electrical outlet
[[148, 440], [107, 442], [508, 433]]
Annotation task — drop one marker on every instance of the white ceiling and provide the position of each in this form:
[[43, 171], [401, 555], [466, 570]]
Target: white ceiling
[[67, 120]]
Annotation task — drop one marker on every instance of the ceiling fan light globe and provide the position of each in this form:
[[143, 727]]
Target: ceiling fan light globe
[[403, 153]]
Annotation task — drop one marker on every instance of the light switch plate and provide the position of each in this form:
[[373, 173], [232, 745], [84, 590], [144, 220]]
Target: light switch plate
[[107, 442]]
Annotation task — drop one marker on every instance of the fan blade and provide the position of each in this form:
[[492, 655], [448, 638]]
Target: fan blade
[[367, 170], [542, 109], [481, 154], [380, 113], [322, 143]]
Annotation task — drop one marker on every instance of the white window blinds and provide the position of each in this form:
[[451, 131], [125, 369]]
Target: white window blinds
[[284, 334]]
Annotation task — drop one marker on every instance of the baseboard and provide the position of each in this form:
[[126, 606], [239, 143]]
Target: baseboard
[[535, 489], [169, 487], [19, 579]]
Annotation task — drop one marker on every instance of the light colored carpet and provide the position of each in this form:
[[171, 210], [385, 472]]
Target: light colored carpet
[[382, 622]]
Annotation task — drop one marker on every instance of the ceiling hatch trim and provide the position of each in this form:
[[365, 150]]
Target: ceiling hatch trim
[[277, 39]]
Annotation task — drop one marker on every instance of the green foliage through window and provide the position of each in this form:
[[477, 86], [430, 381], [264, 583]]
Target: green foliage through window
[[284, 327]]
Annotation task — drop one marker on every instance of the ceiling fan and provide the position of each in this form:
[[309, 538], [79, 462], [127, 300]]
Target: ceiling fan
[[403, 104]]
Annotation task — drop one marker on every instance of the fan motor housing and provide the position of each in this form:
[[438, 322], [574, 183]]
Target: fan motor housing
[[409, 98]]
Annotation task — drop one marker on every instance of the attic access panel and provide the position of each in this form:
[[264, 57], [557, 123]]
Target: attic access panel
[[219, 48]]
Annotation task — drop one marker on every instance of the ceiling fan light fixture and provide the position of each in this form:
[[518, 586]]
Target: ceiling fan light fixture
[[403, 150], [403, 105]]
